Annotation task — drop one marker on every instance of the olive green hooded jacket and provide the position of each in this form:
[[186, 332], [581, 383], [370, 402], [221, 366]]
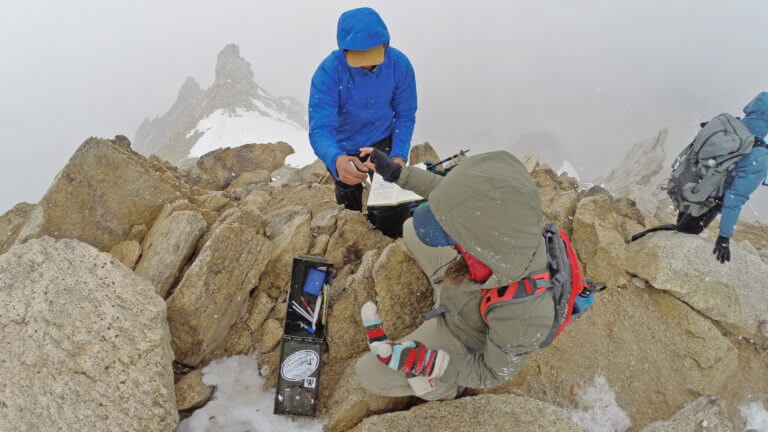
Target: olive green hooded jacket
[[490, 206]]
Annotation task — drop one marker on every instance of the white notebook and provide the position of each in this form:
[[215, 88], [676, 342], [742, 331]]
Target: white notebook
[[385, 194]]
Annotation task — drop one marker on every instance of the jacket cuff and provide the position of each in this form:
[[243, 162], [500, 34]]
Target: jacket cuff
[[396, 152], [332, 165]]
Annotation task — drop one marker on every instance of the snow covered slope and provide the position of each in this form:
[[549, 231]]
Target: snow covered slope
[[222, 129], [232, 112]]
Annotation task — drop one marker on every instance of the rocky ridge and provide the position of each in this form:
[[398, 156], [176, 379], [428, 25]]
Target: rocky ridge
[[219, 259], [641, 174]]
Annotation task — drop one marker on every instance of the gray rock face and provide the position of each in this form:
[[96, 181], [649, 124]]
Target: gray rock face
[[293, 239], [423, 152], [278, 219], [249, 178], [127, 252], [101, 194], [85, 343], [316, 172], [531, 162], [286, 175], [191, 392], [214, 291], [641, 173], [325, 221], [152, 133], [483, 413], [168, 247], [732, 293], [705, 414], [11, 223]]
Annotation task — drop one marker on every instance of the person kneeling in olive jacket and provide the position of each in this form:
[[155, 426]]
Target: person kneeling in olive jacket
[[480, 229]]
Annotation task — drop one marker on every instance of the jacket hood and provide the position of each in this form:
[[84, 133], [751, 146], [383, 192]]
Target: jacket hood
[[756, 116], [490, 206], [361, 29]]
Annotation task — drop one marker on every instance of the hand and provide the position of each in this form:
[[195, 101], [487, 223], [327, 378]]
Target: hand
[[398, 160], [414, 359], [350, 170], [382, 164], [722, 250]]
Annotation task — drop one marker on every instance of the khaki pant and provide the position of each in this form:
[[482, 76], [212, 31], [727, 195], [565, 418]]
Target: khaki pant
[[378, 378]]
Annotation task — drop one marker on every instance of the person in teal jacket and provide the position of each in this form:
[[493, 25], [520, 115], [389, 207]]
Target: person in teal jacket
[[362, 95], [749, 173]]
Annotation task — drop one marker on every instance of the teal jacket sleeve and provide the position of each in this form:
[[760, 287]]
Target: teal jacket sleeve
[[746, 178], [404, 105], [323, 115]]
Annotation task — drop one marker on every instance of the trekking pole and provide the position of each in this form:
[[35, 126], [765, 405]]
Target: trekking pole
[[667, 227], [450, 158]]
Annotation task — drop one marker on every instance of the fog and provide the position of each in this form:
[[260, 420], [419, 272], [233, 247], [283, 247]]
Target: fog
[[598, 75]]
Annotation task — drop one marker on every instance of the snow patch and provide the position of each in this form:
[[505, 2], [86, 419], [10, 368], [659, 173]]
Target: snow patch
[[568, 168], [598, 410], [239, 404], [755, 415], [223, 129]]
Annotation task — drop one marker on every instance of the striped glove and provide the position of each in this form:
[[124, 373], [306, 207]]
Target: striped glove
[[414, 359]]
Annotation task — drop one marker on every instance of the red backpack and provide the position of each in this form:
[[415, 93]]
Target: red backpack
[[563, 276]]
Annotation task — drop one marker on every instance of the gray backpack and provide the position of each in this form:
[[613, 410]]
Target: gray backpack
[[700, 170]]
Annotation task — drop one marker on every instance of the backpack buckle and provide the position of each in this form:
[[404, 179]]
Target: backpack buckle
[[591, 286]]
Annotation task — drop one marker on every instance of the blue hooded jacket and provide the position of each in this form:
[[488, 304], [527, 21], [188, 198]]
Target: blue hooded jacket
[[350, 107], [751, 170]]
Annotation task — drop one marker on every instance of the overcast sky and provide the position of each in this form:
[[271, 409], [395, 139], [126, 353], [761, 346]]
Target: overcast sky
[[599, 75]]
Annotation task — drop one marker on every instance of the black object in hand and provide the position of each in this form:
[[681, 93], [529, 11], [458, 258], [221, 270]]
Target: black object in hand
[[722, 250], [385, 166]]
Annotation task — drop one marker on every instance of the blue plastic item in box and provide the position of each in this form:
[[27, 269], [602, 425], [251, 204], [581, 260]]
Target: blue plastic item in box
[[313, 284]]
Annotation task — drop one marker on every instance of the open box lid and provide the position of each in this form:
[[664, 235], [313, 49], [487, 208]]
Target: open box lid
[[311, 277]]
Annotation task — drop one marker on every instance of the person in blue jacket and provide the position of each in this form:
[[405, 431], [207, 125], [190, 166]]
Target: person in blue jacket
[[362, 95], [749, 173]]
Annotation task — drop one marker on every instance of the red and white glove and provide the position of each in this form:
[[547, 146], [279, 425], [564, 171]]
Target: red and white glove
[[421, 365]]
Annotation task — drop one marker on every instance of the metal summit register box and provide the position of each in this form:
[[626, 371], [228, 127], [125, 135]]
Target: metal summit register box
[[302, 345]]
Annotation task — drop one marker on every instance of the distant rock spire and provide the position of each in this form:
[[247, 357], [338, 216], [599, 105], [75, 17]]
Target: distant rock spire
[[230, 66], [188, 93]]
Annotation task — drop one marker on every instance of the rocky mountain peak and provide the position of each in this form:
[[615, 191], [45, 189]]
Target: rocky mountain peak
[[233, 111], [189, 91], [231, 67]]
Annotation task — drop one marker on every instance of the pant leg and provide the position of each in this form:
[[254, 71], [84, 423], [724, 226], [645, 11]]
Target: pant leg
[[350, 196], [378, 378], [432, 260], [696, 224]]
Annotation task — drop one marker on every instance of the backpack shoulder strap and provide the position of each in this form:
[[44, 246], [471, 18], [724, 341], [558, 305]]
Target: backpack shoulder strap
[[516, 292]]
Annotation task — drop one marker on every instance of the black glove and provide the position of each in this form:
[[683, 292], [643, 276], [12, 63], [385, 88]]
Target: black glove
[[722, 250], [385, 166]]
